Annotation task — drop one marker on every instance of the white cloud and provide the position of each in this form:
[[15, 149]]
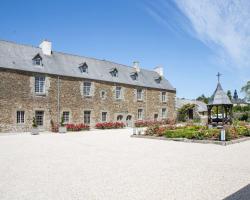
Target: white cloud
[[223, 25]]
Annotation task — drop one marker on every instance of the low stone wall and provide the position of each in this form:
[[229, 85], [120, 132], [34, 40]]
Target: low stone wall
[[223, 143]]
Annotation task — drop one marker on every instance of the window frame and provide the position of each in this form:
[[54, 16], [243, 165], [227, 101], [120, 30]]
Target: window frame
[[66, 118], [164, 114], [87, 117], [140, 114], [139, 94], [87, 88], [106, 116], [118, 92], [164, 97], [20, 117], [40, 82]]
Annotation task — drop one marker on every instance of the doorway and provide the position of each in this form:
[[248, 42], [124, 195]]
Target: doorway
[[129, 121]]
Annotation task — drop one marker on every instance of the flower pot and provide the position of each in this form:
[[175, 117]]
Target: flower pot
[[34, 131], [62, 129]]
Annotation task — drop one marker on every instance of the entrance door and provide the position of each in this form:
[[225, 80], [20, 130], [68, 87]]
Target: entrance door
[[129, 121], [190, 114], [155, 117], [39, 115]]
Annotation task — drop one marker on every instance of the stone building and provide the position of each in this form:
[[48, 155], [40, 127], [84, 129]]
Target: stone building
[[36, 82]]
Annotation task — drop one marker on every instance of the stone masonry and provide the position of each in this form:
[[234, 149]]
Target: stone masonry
[[17, 94]]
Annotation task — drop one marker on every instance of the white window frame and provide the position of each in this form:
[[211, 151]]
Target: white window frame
[[87, 117], [83, 69], [40, 84], [140, 114], [139, 94], [37, 61], [66, 117], [163, 113], [87, 88], [118, 92], [39, 116], [20, 117], [164, 96], [104, 117]]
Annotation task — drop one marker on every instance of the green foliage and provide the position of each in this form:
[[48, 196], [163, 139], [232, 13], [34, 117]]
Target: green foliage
[[34, 124], [246, 90], [62, 121], [182, 113], [229, 94], [203, 98], [193, 132]]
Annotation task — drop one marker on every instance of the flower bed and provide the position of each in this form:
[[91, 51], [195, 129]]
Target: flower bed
[[110, 125], [77, 127], [199, 132], [147, 123]]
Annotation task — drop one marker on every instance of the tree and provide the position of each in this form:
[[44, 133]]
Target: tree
[[229, 94], [246, 90], [203, 98]]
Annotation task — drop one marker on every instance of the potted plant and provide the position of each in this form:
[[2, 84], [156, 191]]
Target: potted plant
[[62, 128], [35, 130]]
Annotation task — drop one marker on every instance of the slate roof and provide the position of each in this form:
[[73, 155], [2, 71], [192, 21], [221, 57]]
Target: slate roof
[[19, 57], [239, 101], [201, 106], [219, 97]]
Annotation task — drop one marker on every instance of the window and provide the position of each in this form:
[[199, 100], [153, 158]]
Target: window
[[87, 115], [140, 114], [134, 76], [158, 79], [155, 117], [40, 84], [118, 92], [86, 88], [39, 118], [66, 117], [164, 113], [104, 116], [163, 96], [103, 94], [139, 94], [119, 118], [20, 117], [114, 72], [83, 68], [37, 60]]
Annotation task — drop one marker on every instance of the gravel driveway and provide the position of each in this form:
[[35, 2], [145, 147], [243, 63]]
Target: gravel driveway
[[109, 165]]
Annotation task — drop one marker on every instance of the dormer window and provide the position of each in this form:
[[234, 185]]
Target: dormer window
[[134, 76], [158, 79], [83, 68], [37, 60], [114, 72]]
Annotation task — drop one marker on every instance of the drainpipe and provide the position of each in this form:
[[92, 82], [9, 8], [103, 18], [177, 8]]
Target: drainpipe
[[58, 100]]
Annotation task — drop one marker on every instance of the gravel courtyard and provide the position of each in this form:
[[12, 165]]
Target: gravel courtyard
[[109, 165]]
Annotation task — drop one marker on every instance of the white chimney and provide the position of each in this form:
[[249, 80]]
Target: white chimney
[[159, 70], [46, 47], [136, 66]]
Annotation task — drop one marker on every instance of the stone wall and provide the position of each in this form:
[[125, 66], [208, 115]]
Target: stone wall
[[17, 94]]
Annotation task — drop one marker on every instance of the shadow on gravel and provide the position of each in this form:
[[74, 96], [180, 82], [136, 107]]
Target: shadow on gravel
[[242, 194]]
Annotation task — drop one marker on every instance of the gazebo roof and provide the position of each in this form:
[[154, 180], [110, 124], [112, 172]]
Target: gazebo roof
[[219, 97]]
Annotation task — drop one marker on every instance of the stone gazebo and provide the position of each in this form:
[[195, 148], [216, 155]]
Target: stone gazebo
[[220, 101]]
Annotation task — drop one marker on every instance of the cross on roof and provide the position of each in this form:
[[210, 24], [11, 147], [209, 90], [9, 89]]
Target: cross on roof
[[219, 75]]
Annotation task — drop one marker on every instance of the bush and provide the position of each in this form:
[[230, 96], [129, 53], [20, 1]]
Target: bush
[[148, 123], [110, 125], [77, 127]]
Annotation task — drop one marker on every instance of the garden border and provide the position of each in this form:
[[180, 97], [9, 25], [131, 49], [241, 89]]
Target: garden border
[[222, 143]]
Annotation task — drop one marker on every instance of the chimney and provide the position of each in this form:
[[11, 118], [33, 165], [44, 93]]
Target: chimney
[[46, 47], [159, 70], [136, 66]]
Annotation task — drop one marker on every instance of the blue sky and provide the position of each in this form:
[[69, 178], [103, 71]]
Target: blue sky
[[192, 40]]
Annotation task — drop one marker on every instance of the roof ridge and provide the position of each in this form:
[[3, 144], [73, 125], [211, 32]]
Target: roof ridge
[[72, 54]]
